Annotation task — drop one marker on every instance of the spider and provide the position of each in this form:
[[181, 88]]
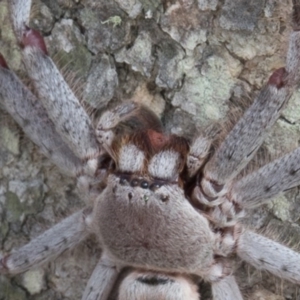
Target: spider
[[166, 209]]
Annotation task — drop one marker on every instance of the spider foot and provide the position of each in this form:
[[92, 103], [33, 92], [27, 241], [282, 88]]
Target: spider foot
[[278, 78], [33, 38]]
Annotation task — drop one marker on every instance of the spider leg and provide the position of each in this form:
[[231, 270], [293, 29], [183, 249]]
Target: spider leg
[[58, 99], [131, 116], [27, 111], [102, 280], [51, 243], [20, 13], [226, 289], [198, 153], [260, 186], [248, 134], [265, 254]]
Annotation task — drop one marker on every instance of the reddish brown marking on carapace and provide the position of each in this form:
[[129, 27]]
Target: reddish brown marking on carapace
[[157, 139], [33, 38], [3, 63], [278, 78]]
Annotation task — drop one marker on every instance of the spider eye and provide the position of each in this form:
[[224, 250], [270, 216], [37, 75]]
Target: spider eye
[[144, 184], [134, 182]]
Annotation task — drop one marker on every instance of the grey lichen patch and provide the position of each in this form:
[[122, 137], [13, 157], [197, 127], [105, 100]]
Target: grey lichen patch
[[241, 15], [101, 82], [14, 208], [153, 100], [66, 44], [101, 35], [284, 138], [73, 268], [170, 71], [41, 17], [208, 84], [280, 208], [8, 291], [263, 69], [139, 56], [23, 199], [181, 123], [8, 46], [189, 32], [260, 39], [270, 8], [247, 46], [34, 281], [207, 4], [150, 5], [10, 139], [132, 7]]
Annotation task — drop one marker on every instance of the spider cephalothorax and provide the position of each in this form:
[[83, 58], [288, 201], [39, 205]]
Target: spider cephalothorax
[[165, 211]]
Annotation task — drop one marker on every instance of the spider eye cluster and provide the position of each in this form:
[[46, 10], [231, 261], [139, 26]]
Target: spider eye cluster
[[129, 179]]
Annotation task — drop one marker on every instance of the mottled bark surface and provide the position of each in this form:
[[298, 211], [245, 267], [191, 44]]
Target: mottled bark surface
[[191, 61]]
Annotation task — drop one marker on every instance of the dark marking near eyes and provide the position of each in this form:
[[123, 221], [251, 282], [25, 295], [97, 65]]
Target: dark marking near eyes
[[134, 182], [129, 196], [164, 198], [155, 280]]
